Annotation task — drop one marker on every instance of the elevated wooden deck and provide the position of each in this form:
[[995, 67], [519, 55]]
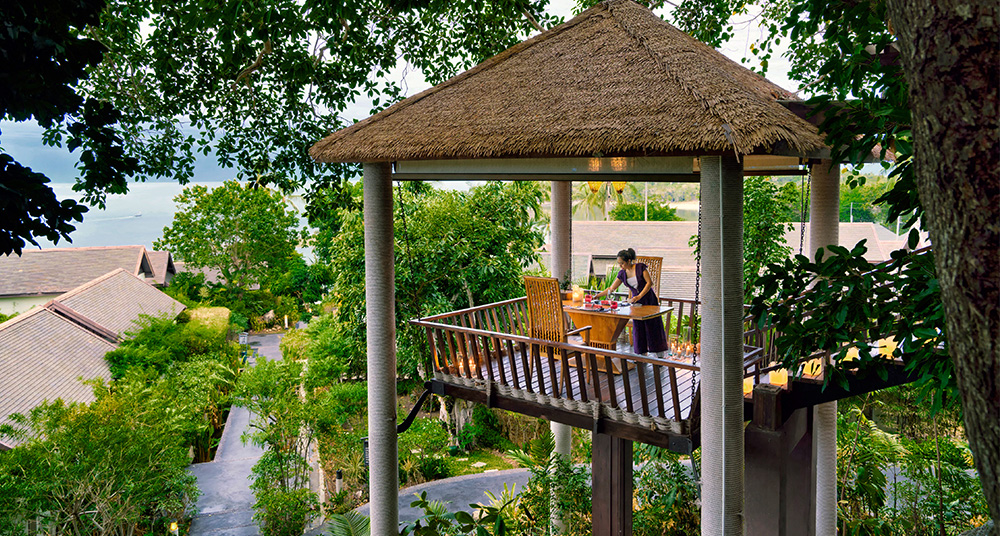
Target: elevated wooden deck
[[482, 354]]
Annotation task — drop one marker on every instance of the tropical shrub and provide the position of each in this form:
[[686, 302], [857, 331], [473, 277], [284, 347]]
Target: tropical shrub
[[484, 431], [282, 425], [332, 406], [115, 465]]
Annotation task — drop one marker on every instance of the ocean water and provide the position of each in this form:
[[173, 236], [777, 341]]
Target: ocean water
[[136, 218]]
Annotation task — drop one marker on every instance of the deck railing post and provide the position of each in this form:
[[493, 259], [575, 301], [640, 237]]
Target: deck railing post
[[722, 346]]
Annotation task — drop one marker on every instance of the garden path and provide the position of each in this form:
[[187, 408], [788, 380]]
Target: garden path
[[225, 507]]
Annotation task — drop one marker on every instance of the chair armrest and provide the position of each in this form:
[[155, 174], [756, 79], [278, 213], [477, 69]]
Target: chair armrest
[[586, 333]]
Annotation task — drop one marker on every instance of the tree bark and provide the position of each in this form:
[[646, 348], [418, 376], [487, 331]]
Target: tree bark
[[949, 51]]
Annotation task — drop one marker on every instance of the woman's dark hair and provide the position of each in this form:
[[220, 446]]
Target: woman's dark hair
[[627, 255]]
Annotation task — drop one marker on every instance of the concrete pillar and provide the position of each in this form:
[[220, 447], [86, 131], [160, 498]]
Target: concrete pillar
[[561, 229], [722, 346], [561, 232], [824, 230], [381, 314]]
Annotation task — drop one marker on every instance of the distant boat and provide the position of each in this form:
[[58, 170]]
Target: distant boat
[[138, 214]]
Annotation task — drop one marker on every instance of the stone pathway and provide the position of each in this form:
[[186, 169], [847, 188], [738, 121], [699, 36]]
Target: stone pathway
[[226, 503]]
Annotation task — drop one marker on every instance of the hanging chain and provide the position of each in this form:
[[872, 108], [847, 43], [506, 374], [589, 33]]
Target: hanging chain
[[696, 306], [804, 202]]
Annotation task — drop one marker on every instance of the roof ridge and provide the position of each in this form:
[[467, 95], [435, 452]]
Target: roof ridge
[[81, 248], [93, 282], [485, 65], [79, 319], [643, 42], [20, 316]]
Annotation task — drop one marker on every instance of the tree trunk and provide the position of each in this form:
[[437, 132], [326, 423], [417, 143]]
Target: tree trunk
[[949, 50]]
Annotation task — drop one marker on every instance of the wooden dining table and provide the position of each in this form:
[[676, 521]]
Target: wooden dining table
[[606, 323]]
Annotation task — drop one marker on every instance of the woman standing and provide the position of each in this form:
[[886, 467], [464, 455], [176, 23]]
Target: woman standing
[[647, 335]]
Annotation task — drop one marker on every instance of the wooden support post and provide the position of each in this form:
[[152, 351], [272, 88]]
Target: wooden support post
[[779, 464], [612, 486]]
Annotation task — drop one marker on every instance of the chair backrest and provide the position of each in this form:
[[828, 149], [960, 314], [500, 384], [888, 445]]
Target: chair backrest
[[545, 313], [655, 266]]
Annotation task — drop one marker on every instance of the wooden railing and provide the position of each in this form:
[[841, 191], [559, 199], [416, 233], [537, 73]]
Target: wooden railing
[[486, 347]]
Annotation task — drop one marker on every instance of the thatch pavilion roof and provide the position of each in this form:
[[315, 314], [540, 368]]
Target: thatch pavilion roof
[[615, 80]]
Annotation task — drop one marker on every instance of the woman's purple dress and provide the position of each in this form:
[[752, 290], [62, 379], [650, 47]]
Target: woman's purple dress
[[647, 335]]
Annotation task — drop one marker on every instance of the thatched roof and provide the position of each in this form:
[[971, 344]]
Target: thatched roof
[[614, 80]]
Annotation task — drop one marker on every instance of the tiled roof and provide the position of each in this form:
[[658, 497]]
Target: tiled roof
[[116, 299], [42, 355], [596, 239], [56, 270], [163, 266]]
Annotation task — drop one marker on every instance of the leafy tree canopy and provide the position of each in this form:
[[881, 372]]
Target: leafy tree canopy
[[154, 84], [244, 232], [45, 54], [638, 212], [452, 250]]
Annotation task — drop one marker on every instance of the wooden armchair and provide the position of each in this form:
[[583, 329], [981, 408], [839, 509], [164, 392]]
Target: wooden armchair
[[655, 266], [546, 319]]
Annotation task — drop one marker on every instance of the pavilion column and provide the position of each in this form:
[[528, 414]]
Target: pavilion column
[[381, 323], [561, 233], [722, 346], [824, 230]]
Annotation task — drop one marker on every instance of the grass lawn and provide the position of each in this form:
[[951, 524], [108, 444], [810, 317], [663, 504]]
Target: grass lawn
[[212, 317], [463, 463]]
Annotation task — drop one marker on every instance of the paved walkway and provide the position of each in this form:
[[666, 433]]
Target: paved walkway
[[458, 492], [226, 503]]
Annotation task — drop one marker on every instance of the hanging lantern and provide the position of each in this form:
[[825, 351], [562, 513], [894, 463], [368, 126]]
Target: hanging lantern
[[594, 186], [619, 186]]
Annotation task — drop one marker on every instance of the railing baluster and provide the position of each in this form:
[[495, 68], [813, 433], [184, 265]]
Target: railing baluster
[[581, 377], [513, 364], [466, 350], [499, 352], [627, 386], [511, 326], [567, 378], [525, 360], [480, 358], [536, 355], [459, 356], [484, 354], [553, 373], [640, 369], [435, 354], [596, 375], [672, 375], [496, 320], [610, 371], [658, 386]]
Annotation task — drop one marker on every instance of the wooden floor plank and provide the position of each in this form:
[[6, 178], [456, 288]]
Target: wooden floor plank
[[513, 370]]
